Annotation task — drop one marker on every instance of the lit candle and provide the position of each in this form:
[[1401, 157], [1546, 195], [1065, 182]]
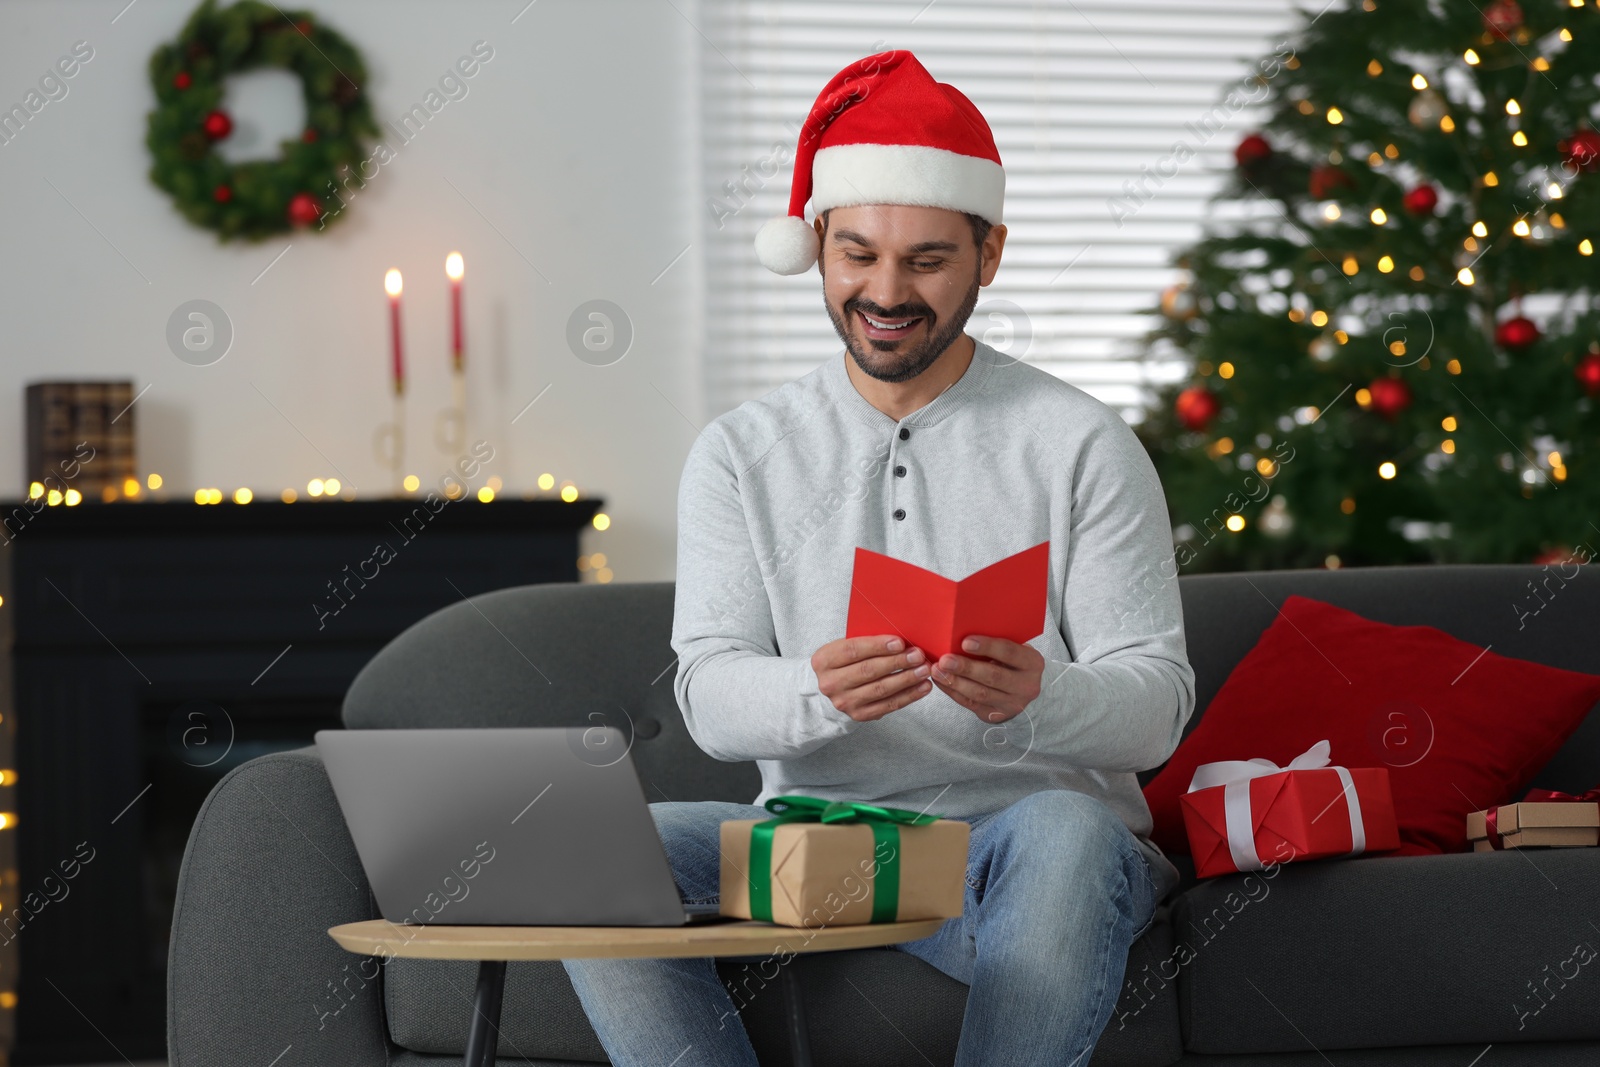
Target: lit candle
[[454, 267], [391, 285]]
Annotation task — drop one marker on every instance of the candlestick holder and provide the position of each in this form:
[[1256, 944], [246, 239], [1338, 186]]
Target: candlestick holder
[[450, 427], [389, 444]]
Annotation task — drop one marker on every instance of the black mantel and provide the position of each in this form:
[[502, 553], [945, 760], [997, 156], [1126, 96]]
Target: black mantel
[[153, 647]]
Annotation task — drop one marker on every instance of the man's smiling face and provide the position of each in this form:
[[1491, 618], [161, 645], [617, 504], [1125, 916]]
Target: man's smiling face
[[900, 281]]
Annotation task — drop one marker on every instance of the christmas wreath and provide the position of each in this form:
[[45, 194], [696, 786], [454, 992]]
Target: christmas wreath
[[256, 199]]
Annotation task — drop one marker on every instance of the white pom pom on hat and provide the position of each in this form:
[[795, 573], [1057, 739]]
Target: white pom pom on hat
[[787, 244], [882, 131]]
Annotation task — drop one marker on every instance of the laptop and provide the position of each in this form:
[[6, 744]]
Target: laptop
[[504, 827]]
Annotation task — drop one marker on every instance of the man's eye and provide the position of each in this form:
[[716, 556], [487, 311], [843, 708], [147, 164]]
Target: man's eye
[[852, 257], [926, 264]]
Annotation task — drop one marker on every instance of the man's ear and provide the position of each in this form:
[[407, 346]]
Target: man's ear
[[820, 223], [993, 244]]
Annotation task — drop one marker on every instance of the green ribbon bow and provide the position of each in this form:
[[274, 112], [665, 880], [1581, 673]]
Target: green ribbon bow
[[885, 823]]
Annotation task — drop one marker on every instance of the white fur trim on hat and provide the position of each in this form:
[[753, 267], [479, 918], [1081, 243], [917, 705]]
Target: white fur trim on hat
[[849, 174], [787, 244]]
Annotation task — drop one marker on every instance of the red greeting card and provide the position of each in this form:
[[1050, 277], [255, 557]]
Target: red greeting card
[[934, 613]]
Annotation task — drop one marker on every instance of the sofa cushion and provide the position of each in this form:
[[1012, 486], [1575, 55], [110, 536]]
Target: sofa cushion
[[1458, 727], [1392, 950], [867, 1008]]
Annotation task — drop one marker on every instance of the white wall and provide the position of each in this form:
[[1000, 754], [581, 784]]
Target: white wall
[[575, 141]]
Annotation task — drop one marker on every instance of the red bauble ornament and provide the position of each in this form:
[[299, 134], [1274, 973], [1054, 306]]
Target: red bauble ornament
[[1502, 17], [217, 125], [309, 136], [1555, 555], [1516, 334], [1581, 151], [304, 209], [1327, 180], [181, 80], [1422, 200], [1196, 406], [1252, 151], [1588, 373], [222, 194], [1390, 396]]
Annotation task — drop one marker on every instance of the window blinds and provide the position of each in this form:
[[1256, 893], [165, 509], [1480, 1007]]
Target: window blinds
[[1088, 100]]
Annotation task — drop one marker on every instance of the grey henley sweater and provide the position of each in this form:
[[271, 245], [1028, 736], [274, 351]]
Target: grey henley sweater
[[777, 494]]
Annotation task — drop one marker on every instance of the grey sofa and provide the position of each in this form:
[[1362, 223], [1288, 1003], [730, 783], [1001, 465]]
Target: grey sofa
[[1419, 961]]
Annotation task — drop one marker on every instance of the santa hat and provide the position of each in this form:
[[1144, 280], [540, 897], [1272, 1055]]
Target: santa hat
[[884, 132]]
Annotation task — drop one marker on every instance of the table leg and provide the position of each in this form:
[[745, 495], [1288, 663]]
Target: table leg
[[795, 1010], [484, 1036]]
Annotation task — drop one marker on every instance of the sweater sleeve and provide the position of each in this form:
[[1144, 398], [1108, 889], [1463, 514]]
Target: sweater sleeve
[[740, 699], [1122, 701]]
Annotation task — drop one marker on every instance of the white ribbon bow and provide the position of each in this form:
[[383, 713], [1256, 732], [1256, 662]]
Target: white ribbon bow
[[1235, 776]]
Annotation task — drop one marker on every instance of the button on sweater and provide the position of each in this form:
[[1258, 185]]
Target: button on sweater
[[778, 493]]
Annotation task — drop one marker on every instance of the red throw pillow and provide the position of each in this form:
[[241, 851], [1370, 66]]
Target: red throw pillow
[[1459, 729]]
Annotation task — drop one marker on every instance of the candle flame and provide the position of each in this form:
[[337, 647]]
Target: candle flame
[[391, 282], [454, 267]]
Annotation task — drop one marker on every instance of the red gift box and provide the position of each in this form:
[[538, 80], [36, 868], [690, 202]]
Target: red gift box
[[1244, 814]]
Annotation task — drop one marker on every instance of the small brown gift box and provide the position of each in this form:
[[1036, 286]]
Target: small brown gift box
[[1538, 823], [826, 874]]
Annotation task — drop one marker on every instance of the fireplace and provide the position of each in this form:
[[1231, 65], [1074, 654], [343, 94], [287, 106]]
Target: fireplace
[[154, 647]]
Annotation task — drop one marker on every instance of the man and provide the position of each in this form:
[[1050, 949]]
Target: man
[[920, 443]]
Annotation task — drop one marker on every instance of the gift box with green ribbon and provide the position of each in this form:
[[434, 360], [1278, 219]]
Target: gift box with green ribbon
[[830, 863]]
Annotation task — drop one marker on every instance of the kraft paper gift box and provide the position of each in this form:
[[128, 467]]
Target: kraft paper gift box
[[1244, 814], [1547, 820], [820, 863]]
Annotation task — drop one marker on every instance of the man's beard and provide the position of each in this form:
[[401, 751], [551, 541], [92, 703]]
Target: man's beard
[[906, 365]]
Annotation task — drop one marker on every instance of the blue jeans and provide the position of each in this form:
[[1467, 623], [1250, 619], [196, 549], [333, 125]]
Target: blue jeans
[[1057, 892]]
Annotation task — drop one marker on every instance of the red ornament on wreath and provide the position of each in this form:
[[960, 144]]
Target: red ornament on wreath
[[1516, 334], [1421, 200], [1252, 151], [1588, 373], [1326, 180], [216, 125], [1581, 151], [1502, 17], [192, 119], [1196, 406], [1390, 396], [304, 209]]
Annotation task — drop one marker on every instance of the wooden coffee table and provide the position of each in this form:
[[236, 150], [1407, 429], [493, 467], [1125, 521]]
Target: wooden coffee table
[[493, 946]]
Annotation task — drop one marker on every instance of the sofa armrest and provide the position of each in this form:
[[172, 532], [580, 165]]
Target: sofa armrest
[[251, 970]]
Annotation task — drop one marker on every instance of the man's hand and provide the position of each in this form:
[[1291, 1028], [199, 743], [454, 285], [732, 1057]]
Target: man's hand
[[868, 677], [995, 688]]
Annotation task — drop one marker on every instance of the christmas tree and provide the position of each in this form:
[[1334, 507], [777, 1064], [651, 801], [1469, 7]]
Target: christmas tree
[[1395, 357]]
